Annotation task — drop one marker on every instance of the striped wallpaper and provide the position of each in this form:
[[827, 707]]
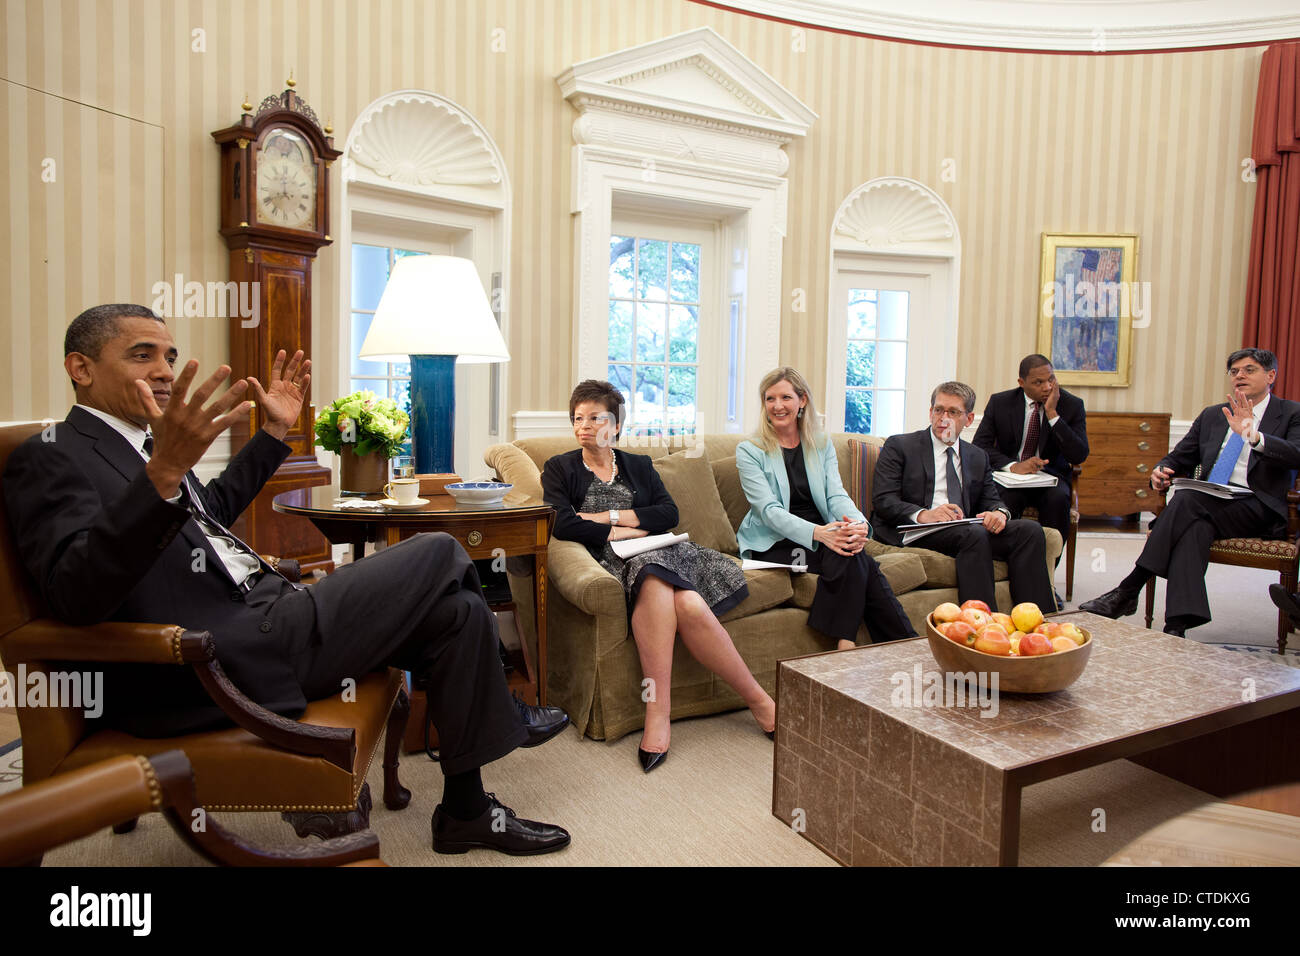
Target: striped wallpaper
[[117, 94]]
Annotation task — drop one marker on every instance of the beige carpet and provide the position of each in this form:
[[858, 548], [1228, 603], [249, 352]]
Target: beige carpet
[[709, 804]]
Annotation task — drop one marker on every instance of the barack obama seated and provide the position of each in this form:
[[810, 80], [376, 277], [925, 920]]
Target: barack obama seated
[[108, 517]]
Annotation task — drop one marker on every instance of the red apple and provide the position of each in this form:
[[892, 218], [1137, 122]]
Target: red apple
[[959, 632], [975, 617], [967, 605], [994, 640], [1034, 644]]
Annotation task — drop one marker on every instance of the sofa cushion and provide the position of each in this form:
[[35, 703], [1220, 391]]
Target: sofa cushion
[[688, 477], [512, 464], [861, 454], [727, 477], [767, 589], [904, 571]]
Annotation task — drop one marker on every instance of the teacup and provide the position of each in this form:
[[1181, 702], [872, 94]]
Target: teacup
[[403, 490]]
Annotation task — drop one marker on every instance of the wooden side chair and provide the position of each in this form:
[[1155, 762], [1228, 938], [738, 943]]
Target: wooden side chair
[[312, 770], [114, 791], [1072, 538], [1282, 556]]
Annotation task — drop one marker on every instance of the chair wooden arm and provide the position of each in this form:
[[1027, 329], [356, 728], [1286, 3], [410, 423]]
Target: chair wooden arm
[[1293, 512], [75, 804], [46, 639], [1076, 471], [111, 641]]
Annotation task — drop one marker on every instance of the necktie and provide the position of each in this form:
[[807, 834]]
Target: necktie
[[194, 502], [1031, 434], [1227, 460], [956, 493]]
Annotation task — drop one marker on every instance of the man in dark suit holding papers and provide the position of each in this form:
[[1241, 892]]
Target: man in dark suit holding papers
[[932, 476], [1251, 441], [1036, 428]]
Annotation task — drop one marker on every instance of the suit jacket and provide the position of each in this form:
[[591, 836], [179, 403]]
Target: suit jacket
[[101, 545], [564, 485], [767, 488], [1270, 472], [904, 482], [1002, 429]]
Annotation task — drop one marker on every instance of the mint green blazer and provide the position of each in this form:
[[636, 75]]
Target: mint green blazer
[[763, 477]]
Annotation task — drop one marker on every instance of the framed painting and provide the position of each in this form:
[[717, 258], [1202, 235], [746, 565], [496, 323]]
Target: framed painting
[[1086, 305]]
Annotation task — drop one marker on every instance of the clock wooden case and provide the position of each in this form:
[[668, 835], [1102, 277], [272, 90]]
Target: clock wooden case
[[274, 218]]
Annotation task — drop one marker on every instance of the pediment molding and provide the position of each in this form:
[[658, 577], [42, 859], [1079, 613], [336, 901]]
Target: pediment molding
[[695, 78]]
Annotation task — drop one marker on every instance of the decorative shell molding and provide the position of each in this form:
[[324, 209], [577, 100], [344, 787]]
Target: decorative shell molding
[[417, 139], [893, 211]]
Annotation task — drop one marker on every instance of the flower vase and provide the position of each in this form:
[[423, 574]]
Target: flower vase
[[362, 474]]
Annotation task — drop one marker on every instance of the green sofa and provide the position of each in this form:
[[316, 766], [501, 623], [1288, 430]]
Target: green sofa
[[593, 670]]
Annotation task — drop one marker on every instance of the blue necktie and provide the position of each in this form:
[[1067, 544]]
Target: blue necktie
[[1227, 460]]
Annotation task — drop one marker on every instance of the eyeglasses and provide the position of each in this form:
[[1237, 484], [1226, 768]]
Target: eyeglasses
[[1244, 370], [939, 411]]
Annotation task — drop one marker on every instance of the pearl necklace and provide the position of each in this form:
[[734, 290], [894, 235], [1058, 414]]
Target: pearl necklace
[[613, 464]]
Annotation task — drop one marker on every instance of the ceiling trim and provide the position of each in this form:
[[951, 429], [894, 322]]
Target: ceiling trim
[[1096, 38]]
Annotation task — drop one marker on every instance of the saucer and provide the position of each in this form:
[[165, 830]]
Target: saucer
[[394, 503]]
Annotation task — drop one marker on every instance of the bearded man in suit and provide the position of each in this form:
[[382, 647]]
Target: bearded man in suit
[[1251, 441], [111, 523]]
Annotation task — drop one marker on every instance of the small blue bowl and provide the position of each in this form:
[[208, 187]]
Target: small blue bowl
[[478, 492]]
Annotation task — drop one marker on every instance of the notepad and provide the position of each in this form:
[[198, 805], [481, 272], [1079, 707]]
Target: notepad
[[1211, 488], [1039, 479], [915, 532]]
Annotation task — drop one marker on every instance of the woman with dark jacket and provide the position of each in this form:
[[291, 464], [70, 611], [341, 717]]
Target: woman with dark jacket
[[600, 496]]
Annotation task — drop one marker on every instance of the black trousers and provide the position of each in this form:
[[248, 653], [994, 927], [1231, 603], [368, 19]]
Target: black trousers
[[1020, 544], [1053, 505], [1178, 547], [850, 591], [417, 605]]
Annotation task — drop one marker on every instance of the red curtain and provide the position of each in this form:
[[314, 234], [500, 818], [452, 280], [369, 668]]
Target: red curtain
[[1273, 283]]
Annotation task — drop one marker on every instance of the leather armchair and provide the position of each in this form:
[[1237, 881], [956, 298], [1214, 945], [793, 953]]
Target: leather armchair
[[312, 770], [75, 804]]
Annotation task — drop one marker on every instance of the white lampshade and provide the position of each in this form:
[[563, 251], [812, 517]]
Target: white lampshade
[[434, 305]]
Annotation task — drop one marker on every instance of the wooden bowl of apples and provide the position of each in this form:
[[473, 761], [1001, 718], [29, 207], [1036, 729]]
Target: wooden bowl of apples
[[1029, 655]]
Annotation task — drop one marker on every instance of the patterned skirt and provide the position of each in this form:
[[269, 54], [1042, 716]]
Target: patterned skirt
[[686, 565]]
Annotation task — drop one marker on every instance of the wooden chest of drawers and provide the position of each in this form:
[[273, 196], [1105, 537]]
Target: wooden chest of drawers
[[1123, 448]]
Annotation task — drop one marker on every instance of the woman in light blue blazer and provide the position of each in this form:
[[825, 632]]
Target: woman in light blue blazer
[[800, 514]]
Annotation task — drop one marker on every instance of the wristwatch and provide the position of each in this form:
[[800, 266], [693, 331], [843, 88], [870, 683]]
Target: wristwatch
[[613, 516]]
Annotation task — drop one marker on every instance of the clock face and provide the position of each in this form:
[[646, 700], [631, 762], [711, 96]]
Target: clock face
[[286, 181]]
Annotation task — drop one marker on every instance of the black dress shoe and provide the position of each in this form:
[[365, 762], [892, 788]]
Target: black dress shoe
[[1285, 601], [543, 723], [497, 829], [1113, 604], [1175, 630], [650, 760]]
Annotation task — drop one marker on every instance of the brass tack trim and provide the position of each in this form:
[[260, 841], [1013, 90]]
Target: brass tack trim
[[176, 644], [151, 778]]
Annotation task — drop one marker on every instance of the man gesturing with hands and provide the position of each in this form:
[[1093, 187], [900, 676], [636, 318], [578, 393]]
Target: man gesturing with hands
[[112, 524], [1251, 441]]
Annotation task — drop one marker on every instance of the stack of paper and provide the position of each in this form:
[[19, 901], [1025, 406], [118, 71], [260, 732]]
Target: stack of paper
[[749, 564], [630, 547], [1039, 479], [914, 532], [1211, 488]]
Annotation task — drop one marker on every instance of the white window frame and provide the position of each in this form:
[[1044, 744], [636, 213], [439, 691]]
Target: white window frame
[[897, 228], [692, 128]]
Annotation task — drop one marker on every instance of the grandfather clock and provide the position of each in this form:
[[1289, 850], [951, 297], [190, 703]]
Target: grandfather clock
[[274, 218]]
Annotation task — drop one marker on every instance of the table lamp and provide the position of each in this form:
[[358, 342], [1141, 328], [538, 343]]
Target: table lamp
[[435, 311]]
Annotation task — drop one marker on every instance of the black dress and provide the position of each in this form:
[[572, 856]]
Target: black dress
[[850, 590], [717, 579]]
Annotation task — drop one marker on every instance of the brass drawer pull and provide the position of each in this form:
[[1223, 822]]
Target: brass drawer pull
[[1142, 467], [475, 538], [1141, 492], [1144, 426], [1144, 446]]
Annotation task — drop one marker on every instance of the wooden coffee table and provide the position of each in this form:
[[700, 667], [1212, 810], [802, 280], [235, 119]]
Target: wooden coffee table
[[871, 779]]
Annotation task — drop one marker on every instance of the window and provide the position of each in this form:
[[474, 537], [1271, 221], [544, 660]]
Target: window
[[371, 267], [875, 361], [654, 332]]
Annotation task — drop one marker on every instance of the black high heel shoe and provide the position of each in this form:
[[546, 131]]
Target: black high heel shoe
[[650, 760]]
